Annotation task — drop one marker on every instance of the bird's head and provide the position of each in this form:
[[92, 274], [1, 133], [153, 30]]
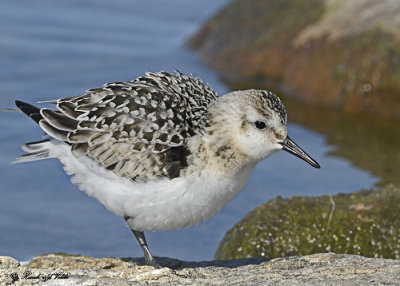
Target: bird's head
[[255, 123]]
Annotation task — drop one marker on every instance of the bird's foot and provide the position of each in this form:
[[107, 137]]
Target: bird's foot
[[152, 262]]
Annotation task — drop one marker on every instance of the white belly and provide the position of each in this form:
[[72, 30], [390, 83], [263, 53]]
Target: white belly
[[160, 205], [184, 202]]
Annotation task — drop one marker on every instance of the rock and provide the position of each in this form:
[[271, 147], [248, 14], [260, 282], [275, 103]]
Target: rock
[[317, 269], [7, 262], [331, 52], [365, 223], [368, 143]]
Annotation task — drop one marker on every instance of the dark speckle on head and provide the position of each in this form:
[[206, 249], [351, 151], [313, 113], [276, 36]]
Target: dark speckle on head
[[277, 134], [275, 104], [244, 122]]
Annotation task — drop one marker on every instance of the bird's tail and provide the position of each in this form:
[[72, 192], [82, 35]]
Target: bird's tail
[[35, 151], [38, 150]]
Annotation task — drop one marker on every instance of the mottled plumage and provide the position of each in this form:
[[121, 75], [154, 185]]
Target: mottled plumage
[[137, 129], [163, 150]]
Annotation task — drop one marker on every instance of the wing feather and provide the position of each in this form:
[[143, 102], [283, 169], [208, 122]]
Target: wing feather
[[138, 129]]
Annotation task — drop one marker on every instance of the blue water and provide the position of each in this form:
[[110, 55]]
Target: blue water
[[52, 49]]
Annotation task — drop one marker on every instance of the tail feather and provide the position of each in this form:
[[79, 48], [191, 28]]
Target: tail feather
[[34, 146], [34, 156], [35, 151], [30, 110], [59, 120], [54, 123], [52, 131]]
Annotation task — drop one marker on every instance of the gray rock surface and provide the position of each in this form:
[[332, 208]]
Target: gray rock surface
[[316, 269]]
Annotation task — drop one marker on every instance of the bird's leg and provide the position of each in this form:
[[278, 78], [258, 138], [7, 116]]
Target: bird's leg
[[148, 258]]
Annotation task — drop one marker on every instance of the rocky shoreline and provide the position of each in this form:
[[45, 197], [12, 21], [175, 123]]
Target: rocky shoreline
[[316, 269], [332, 52]]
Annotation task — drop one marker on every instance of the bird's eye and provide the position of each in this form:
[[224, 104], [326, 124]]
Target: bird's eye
[[260, 124]]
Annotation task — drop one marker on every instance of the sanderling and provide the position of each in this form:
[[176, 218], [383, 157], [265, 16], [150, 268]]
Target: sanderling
[[163, 150]]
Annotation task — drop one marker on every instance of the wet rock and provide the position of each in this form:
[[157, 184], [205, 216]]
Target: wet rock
[[365, 223], [317, 269], [331, 52]]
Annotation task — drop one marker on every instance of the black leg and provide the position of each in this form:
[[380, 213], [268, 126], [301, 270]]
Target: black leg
[[148, 258]]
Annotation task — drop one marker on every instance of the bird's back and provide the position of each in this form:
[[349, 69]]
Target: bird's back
[[137, 129]]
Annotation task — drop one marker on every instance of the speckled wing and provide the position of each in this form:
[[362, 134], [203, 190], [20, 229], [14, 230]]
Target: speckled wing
[[138, 129]]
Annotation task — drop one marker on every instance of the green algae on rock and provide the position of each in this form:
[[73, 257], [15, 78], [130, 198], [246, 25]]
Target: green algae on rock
[[366, 223], [312, 47]]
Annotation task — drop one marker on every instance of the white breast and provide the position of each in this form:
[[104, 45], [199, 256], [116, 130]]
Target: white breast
[[159, 205]]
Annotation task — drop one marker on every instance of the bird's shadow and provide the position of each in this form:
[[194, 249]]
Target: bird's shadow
[[177, 264]]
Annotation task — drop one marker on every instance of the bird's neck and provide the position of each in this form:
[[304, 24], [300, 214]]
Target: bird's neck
[[217, 154]]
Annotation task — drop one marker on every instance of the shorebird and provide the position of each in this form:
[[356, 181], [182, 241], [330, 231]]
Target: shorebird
[[163, 150]]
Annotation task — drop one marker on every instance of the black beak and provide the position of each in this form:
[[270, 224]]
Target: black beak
[[291, 147]]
